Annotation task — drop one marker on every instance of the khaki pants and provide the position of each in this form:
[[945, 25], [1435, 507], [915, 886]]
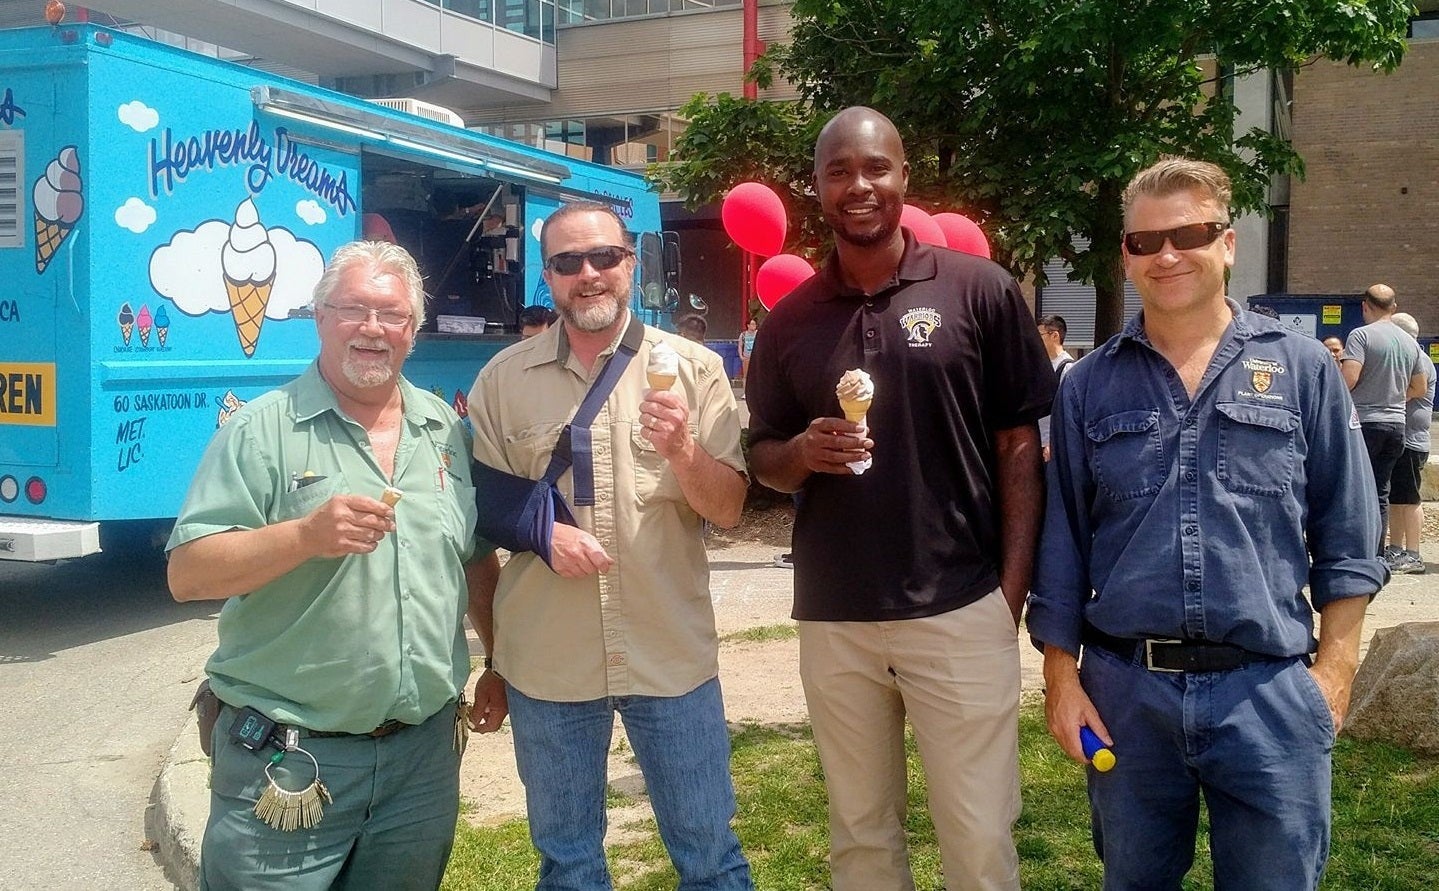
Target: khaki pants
[[956, 677]]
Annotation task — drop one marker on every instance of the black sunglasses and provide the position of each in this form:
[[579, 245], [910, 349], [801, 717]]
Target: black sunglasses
[[600, 259], [1184, 238]]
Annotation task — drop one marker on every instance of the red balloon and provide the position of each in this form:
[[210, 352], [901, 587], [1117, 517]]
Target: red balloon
[[779, 275], [922, 225], [963, 234], [754, 218]]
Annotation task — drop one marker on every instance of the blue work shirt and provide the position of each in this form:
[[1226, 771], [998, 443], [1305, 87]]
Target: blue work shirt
[[1176, 518]]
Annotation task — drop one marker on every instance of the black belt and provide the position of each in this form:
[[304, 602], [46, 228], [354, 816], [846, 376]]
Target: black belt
[[1159, 654], [385, 729]]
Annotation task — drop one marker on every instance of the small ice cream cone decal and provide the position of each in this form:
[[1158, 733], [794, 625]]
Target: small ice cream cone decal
[[663, 368], [144, 321], [126, 320], [248, 260], [58, 205], [162, 325]]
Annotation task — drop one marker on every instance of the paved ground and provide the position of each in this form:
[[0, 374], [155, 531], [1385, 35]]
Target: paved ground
[[761, 684]]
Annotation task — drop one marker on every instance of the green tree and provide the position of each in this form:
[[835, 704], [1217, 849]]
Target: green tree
[[1030, 116]]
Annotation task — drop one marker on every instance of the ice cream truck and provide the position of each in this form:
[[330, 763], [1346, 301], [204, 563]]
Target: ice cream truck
[[164, 218]]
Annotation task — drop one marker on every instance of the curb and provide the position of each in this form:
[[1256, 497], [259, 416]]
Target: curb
[[182, 807]]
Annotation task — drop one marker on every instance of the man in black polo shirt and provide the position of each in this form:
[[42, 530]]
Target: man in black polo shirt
[[910, 576]]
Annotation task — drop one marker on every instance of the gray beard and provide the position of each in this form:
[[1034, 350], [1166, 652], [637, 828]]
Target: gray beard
[[596, 318]]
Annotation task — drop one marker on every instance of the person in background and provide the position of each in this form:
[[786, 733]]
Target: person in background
[[1206, 476], [1384, 368], [624, 622], [1336, 347], [746, 347], [1406, 507], [909, 575], [535, 319], [693, 328], [343, 615], [1052, 330], [376, 228]]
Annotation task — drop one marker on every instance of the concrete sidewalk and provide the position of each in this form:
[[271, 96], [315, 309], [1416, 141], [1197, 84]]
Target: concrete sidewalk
[[749, 592]]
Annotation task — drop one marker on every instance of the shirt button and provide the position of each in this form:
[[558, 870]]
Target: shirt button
[[1190, 422], [869, 334], [1191, 586], [1190, 476], [1191, 530]]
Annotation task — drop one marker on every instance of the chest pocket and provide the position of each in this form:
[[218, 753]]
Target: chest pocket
[[654, 480], [306, 499], [1256, 448], [1128, 454]]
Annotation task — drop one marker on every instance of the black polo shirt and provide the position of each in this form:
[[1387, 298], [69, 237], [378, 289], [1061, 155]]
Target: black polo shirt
[[955, 356]]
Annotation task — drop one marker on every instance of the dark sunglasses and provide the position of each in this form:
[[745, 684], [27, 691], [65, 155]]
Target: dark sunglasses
[[600, 259], [1184, 238]]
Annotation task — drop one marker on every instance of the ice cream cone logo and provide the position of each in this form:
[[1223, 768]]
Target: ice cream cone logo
[[248, 261], [162, 325], [126, 320], [58, 205], [145, 322]]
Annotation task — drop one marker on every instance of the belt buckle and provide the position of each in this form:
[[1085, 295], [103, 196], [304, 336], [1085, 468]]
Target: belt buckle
[[1149, 654]]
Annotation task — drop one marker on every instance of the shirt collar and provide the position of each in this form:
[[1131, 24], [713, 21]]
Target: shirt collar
[[553, 345], [1244, 326], [917, 263], [313, 397]]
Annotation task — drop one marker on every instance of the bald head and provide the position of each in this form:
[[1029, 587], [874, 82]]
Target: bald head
[[852, 124], [1379, 300]]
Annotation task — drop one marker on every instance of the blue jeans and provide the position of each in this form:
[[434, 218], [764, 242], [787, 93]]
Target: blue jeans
[[1256, 742], [682, 745]]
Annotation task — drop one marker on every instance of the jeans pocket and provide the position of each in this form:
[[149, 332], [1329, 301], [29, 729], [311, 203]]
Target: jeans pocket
[[1309, 688], [1128, 454], [1256, 448]]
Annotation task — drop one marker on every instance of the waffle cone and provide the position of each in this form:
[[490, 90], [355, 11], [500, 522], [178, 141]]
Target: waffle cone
[[391, 496], [49, 235], [164, 334], [125, 330], [247, 304], [660, 381]]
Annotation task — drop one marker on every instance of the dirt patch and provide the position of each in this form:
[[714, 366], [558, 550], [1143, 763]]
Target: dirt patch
[[770, 525]]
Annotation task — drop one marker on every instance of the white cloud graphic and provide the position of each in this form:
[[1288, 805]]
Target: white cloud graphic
[[310, 211], [138, 116], [188, 271], [135, 215]]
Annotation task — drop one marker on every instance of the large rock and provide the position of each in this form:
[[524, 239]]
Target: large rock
[[1396, 692]]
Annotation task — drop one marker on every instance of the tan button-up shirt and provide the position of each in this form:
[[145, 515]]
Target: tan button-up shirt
[[645, 627]]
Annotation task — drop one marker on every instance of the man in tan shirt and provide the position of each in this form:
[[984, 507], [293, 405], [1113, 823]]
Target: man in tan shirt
[[624, 621]]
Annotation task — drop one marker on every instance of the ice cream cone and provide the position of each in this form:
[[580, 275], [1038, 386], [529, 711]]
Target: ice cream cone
[[247, 304], [660, 381], [125, 329], [164, 332], [391, 496], [144, 336], [855, 409], [49, 235]]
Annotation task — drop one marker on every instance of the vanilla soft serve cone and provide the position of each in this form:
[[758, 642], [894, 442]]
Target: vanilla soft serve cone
[[248, 260], [663, 368], [856, 391]]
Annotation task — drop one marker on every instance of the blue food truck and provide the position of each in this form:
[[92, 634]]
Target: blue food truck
[[164, 218]]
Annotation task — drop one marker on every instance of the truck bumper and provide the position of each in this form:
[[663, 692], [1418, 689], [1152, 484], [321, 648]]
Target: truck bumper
[[38, 541]]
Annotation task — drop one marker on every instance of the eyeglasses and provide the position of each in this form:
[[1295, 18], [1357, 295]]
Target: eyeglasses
[[355, 314], [1184, 238], [600, 259]]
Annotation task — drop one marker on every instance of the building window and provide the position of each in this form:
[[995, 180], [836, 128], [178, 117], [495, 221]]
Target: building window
[[1425, 24], [579, 12], [631, 141]]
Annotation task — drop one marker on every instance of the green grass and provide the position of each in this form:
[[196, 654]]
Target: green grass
[[764, 633], [1386, 823]]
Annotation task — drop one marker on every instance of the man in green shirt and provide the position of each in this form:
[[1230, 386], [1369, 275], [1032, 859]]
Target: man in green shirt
[[343, 620]]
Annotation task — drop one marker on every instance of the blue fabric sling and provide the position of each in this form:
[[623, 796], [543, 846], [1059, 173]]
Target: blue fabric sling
[[519, 514]]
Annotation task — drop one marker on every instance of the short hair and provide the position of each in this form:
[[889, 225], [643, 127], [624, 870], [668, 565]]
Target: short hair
[[1056, 324], [1407, 323], [534, 315], [383, 258], [578, 207], [693, 325], [1381, 297], [1172, 174]]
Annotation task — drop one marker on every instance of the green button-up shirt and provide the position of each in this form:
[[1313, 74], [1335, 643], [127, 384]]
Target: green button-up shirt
[[341, 644]]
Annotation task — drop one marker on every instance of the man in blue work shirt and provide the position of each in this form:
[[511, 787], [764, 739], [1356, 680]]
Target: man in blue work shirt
[[1207, 465]]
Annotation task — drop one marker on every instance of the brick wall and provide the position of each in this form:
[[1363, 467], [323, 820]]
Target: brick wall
[[1368, 210]]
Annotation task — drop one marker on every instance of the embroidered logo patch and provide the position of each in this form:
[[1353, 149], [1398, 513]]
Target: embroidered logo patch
[[919, 325], [1261, 381]]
